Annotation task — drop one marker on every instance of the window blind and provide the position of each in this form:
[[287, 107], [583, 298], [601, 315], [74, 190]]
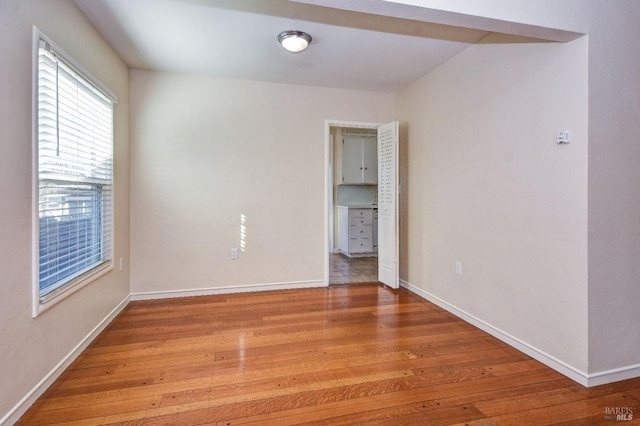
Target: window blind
[[75, 174]]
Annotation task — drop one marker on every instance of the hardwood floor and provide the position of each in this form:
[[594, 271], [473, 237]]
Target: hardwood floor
[[342, 355]]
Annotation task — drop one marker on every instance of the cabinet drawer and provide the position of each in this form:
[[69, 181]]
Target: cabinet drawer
[[361, 221], [360, 213], [360, 245], [360, 231]]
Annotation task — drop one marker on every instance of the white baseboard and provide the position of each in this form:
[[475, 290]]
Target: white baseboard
[[211, 291], [614, 375], [550, 361], [23, 405], [588, 380]]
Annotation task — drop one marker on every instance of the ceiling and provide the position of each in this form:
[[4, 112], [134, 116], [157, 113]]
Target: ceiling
[[238, 39]]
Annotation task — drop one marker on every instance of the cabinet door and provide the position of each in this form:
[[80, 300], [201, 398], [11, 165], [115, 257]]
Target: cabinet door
[[343, 237], [352, 160], [375, 230], [370, 161]]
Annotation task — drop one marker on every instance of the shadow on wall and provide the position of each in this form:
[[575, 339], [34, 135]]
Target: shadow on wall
[[403, 171]]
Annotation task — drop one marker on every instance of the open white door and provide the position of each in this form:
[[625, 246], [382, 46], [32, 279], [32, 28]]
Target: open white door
[[388, 245]]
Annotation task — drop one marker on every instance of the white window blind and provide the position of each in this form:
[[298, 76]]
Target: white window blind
[[75, 174]]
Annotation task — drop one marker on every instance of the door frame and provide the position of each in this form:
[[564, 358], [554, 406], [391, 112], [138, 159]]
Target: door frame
[[328, 189]]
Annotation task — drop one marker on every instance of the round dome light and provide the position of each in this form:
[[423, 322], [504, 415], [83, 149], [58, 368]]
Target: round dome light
[[294, 41]]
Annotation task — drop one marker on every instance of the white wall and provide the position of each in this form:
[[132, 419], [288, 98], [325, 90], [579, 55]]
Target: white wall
[[487, 185], [206, 151], [614, 188], [31, 348], [613, 172]]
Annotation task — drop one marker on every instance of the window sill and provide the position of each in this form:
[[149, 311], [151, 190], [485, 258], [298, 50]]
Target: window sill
[[44, 303]]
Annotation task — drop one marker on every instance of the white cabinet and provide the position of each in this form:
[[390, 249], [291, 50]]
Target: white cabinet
[[356, 231], [359, 160]]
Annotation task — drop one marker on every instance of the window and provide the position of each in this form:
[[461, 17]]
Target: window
[[74, 136]]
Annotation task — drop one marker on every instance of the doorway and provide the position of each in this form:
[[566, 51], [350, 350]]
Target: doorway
[[351, 190], [386, 228], [353, 252]]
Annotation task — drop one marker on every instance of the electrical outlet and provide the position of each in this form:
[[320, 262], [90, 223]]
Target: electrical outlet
[[234, 253], [458, 268], [121, 264]]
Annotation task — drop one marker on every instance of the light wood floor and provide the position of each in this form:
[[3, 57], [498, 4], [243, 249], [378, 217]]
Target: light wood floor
[[344, 355]]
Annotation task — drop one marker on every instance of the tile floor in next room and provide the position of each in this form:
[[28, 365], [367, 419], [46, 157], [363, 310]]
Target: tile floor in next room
[[343, 270]]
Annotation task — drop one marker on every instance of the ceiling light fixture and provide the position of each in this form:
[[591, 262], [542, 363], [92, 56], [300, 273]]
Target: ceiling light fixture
[[294, 41]]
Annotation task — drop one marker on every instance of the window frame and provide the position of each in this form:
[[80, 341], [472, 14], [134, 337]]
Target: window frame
[[40, 303]]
